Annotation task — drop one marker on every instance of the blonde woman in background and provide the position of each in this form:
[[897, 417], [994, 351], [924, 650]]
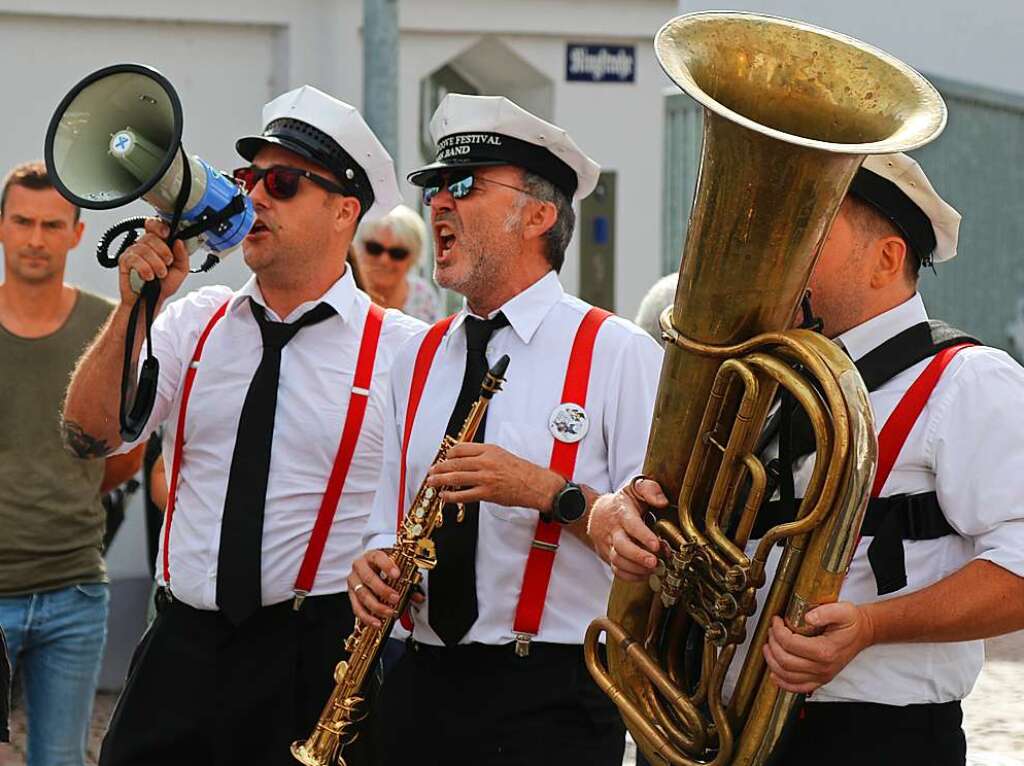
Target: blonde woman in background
[[387, 249]]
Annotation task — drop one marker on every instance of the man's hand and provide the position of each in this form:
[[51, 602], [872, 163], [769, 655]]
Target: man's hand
[[487, 473], [619, 533], [803, 663], [368, 588], [152, 259]]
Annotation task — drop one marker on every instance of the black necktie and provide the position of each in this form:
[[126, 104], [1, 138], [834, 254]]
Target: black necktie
[[239, 562], [452, 583]]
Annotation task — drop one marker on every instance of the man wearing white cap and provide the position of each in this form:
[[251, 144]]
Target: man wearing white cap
[[495, 671], [940, 564], [274, 397]]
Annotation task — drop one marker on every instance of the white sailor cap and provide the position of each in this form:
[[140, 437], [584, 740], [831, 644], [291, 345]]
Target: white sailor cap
[[333, 134], [473, 131], [896, 186]]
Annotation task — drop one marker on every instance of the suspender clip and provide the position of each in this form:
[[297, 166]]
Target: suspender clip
[[523, 644], [300, 596], [163, 598]]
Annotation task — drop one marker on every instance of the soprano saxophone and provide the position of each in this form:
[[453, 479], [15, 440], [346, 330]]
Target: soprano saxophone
[[414, 550]]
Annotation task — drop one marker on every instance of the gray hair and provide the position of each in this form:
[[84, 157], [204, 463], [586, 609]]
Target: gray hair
[[404, 223], [560, 233]]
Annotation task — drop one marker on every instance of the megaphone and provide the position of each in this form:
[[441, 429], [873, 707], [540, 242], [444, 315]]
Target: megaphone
[[116, 137]]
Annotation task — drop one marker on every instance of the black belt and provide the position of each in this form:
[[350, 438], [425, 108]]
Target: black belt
[[313, 606], [889, 520]]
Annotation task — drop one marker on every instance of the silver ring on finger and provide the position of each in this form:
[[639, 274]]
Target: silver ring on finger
[[356, 589]]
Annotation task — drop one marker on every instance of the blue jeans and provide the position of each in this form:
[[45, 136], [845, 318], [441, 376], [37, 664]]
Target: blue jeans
[[56, 639]]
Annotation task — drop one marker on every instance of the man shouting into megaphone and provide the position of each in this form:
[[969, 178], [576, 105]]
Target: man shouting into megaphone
[[273, 398]]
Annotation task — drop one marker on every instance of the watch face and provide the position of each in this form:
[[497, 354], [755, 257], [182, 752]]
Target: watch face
[[572, 504]]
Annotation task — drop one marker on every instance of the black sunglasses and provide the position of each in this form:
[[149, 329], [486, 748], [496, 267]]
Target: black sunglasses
[[280, 181], [375, 248], [460, 186]]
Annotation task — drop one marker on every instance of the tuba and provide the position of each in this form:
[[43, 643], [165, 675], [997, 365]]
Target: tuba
[[790, 112]]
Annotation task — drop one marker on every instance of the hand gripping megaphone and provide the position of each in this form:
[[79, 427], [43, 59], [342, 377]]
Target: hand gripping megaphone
[[115, 138]]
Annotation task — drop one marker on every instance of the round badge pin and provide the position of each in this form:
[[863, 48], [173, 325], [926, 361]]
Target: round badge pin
[[568, 422]]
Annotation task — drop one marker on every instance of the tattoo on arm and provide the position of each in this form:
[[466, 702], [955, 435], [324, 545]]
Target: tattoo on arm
[[81, 444]]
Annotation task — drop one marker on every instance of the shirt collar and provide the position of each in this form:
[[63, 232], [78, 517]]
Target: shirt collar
[[526, 310], [869, 335], [340, 296]]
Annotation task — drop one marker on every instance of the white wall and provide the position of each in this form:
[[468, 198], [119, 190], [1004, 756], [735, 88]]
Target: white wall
[[973, 42]]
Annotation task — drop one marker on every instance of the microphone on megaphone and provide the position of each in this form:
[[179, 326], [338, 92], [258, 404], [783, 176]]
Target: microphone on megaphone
[[115, 138]]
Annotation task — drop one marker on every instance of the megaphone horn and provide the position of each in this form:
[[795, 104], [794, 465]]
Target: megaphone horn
[[116, 137]]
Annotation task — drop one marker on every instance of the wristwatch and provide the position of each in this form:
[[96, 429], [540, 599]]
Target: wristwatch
[[569, 506]]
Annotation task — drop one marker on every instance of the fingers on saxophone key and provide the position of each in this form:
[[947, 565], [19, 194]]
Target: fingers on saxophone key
[[371, 571]]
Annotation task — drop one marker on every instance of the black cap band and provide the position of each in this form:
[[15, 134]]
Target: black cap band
[[324, 150], [889, 200], [495, 148]]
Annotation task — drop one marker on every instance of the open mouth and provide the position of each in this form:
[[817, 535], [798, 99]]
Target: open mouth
[[258, 228], [446, 238]]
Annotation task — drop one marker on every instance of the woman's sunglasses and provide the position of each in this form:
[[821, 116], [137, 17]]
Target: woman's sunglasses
[[394, 253], [280, 181], [459, 186]]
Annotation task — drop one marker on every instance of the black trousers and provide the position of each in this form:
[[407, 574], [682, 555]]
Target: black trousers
[[859, 733], [201, 691], [484, 706]]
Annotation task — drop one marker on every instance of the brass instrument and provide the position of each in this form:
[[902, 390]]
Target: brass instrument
[[790, 112], [414, 550]]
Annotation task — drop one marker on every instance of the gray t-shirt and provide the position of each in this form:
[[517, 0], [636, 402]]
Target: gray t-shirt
[[51, 517]]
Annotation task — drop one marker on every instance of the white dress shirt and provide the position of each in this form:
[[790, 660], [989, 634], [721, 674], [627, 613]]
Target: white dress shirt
[[968, 448], [317, 369], [623, 381]]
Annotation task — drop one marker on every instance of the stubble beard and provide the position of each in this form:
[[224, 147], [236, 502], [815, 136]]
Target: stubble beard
[[284, 265], [487, 264]]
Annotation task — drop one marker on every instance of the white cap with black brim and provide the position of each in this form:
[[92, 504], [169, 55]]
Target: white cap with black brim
[[480, 131], [896, 186], [333, 134]]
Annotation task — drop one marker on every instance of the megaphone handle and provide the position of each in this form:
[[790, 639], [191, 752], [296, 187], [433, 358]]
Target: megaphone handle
[[133, 421]]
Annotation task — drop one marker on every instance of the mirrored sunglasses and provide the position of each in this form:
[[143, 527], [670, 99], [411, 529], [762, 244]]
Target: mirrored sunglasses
[[458, 186], [461, 185]]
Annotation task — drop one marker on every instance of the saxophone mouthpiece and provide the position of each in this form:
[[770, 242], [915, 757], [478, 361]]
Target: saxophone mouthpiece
[[495, 377], [499, 368]]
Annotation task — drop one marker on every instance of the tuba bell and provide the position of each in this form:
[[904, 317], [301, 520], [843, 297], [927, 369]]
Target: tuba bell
[[790, 112]]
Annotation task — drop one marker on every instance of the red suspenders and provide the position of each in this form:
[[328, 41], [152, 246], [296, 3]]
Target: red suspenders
[[342, 461], [179, 438], [357, 402], [420, 371], [541, 558], [424, 358], [899, 424]]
